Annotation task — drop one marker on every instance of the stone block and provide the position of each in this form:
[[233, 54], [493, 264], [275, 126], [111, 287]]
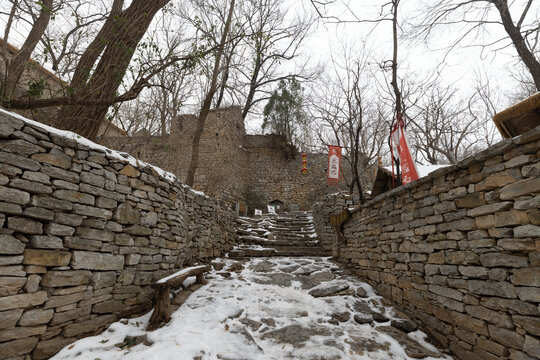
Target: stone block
[[18, 161], [22, 300], [59, 278], [489, 209], [501, 259], [526, 277], [46, 257], [126, 214], [531, 294], [30, 186], [506, 337], [520, 188], [510, 218], [12, 349], [38, 213], [74, 196], [88, 326], [130, 171], [10, 285], [132, 259], [10, 209], [471, 200], [10, 318], [61, 300], [45, 242], [529, 323], [527, 231], [94, 234], [32, 283], [109, 306], [34, 317], [55, 157], [25, 226], [92, 211], [494, 317], [65, 316], [68, 219], [96, 261], [103, 279], [47, 348], [516, 244], [58, 229], [446, 292], [531, 346], [492, 288], [10, 245]]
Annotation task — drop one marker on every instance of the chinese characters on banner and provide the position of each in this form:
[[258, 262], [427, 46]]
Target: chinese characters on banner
[[401, 144], [334, 162]]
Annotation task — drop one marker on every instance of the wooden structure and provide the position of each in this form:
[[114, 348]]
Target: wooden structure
[[383, 181], [162, 297], [520, 118]]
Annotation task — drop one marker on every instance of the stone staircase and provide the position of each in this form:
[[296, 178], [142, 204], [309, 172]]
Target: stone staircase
[[284, 234]]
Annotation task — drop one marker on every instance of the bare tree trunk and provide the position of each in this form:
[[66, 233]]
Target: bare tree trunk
[[116, 43], [17, 63], [514, 32], [194, 162], [395, 86]]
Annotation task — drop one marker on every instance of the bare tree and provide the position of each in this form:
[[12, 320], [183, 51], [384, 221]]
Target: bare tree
[[15, 64], [475, 17], [443, 125], [205, 108]]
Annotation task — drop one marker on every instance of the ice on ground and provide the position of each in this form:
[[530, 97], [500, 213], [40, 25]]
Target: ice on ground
[[237, 316]]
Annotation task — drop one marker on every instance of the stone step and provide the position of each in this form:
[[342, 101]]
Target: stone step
[[283, 251]]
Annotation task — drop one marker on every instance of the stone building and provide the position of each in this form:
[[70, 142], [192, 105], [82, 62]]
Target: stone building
[[241, 169]]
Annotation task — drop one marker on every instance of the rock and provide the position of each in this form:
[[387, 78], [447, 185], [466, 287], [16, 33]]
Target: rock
[[96, 261], [54, 278], [406, 326], [361, 344], [280, 279], [531, 346], [60, 230], [25, 226], [47, 348], [506, 337], [218, 265], [378, 317], [341, 316], [55, 157], [10, 318], [62, 300], [528, 323], [527, 231], [17, 347], [501, 259], [38, 213], [291, 334], [412, 348], [21, 333], [363, 318], [11, 245], [10, 285], [109, 306], [32, 283], [360, 292], [36, 317], [88, 326], [252, 324], [46, 257], [19, 161], [74, 196], [129, 171], [526, 277], [45, 242], [269, 322], [329, 289]]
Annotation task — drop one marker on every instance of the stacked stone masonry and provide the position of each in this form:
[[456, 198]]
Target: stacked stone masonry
[[84, 234], [458, 251]]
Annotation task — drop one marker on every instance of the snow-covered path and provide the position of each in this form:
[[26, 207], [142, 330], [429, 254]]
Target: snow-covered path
[[279, 308]]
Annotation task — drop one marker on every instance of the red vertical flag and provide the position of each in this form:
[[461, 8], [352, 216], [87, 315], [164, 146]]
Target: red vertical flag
[[334, 163], [401, 143]]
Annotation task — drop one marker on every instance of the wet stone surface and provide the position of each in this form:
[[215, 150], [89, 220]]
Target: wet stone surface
[[278, 308]]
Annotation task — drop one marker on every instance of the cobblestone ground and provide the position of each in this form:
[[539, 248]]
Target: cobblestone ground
[[277, 308]]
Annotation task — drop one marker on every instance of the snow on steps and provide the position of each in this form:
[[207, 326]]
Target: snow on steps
[[286, 234]]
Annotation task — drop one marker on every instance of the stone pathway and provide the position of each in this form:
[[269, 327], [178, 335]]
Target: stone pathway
[[275, 308], [284, 234]]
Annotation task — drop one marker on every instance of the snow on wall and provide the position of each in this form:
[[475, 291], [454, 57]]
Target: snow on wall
[[85, 231]]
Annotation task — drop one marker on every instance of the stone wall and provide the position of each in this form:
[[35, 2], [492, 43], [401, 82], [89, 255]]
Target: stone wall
[[458, 251], [84, 233], [322, 209]]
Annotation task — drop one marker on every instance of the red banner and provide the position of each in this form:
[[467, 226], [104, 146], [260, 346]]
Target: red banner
[[399, 141], [334, 163]]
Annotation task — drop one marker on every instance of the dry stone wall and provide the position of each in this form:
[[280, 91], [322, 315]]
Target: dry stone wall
[[458, 251], [322, 209], [83, 234]]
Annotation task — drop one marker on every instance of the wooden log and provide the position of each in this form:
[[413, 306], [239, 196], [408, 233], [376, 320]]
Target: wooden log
[[163, 287]]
